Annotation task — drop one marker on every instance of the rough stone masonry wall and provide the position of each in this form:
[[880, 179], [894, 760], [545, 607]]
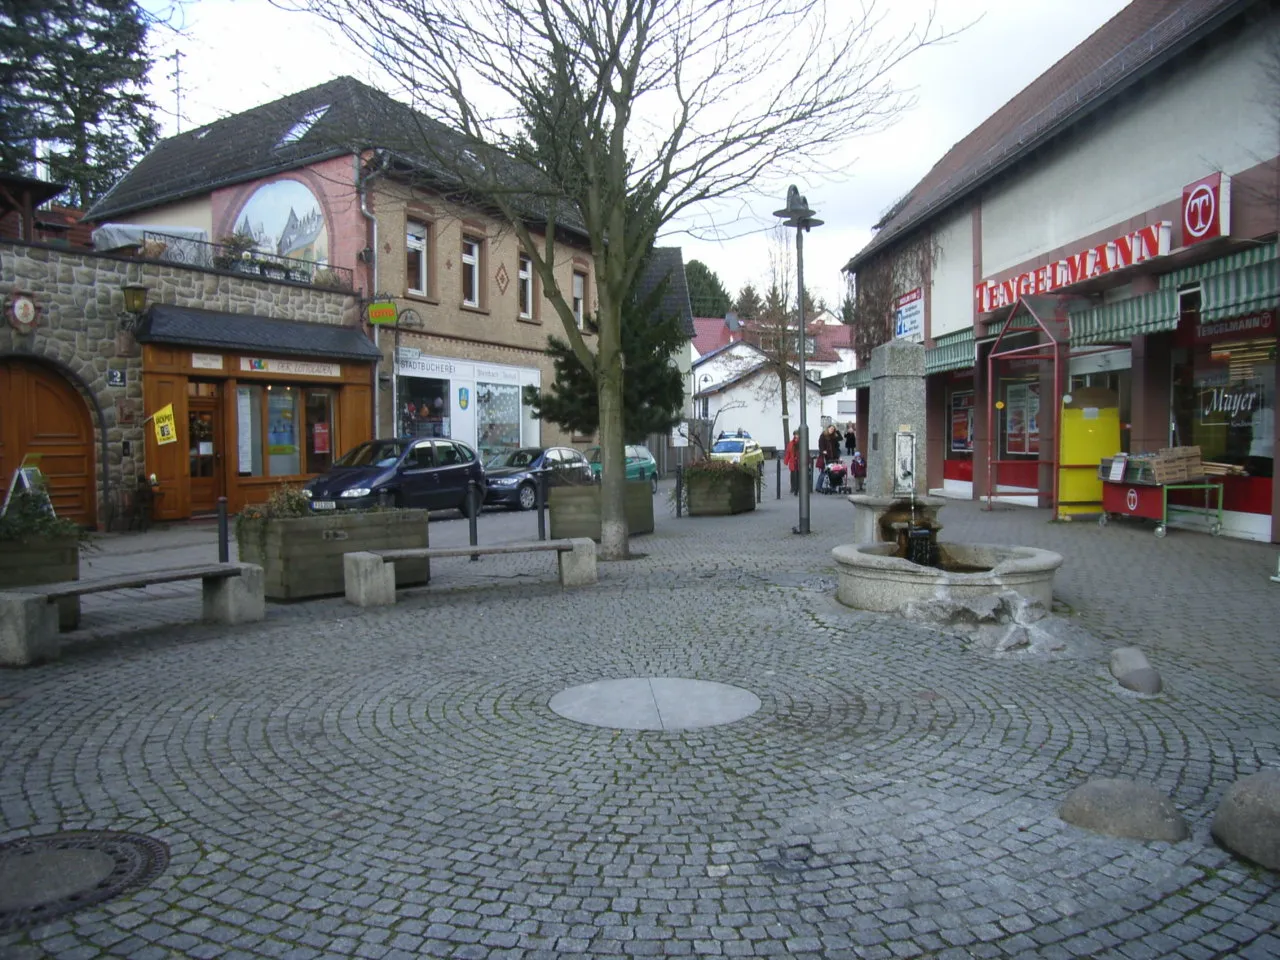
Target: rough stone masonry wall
[[80, 301]]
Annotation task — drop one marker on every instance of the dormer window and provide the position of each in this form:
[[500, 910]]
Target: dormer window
[[303, 126]]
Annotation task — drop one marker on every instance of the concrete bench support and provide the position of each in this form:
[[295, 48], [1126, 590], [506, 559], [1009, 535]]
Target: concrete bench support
[[28, 630], [233, 600], [370, 581], [578, 565]]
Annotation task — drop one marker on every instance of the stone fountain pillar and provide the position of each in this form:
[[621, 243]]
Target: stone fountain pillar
[[897, 485]]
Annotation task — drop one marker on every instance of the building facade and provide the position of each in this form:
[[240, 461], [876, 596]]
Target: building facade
[[1104, 247]]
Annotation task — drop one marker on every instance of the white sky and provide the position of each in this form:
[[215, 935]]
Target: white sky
[[240, 53]]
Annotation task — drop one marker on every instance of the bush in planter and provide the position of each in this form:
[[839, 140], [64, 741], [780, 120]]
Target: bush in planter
[[718, 488], [300, 551], [38, 547]]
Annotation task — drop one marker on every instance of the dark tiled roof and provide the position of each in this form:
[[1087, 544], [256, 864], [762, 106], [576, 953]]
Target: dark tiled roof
[[194, 327], [667, 263], [1139, 37]]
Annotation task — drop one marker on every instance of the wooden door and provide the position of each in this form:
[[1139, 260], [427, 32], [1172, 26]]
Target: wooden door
[[204, 443], [40, 412]]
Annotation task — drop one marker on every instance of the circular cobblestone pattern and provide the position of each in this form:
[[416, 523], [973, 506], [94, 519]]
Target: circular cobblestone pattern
[[394, 784], [655, 703]]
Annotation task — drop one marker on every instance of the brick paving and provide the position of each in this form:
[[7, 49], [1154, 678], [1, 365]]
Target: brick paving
[[336, 782]]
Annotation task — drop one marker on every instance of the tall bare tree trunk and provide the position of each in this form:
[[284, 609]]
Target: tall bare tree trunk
[[614, 542]]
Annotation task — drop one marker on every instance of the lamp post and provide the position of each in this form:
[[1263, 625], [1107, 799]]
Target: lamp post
[[797, 214]]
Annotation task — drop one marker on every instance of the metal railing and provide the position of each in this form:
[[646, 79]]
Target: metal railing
[[254, 263]]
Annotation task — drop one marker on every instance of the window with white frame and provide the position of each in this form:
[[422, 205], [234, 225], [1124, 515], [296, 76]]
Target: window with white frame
[[524, 286], [416, 243], [470, 272], [579, 298]]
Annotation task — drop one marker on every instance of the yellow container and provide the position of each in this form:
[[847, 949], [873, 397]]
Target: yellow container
[[1090, 432]]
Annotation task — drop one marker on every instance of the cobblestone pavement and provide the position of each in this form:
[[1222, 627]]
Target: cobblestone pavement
[[392, 783]]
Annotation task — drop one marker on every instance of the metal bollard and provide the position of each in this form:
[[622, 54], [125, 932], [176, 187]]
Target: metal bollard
[[541, 487], [760, 482], [679, 488], [224, 543], [473, 491], [777, 480]]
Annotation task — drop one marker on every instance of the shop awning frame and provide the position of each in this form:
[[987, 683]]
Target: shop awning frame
[[247, 333]]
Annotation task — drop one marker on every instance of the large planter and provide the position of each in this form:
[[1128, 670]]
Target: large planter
[[303, 557], [720, 494], [575, 511], [27, 563]]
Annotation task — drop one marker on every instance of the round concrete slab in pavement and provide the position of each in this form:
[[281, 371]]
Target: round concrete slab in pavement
[[655, 703]]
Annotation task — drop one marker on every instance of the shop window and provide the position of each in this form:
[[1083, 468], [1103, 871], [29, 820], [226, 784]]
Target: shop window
[[498, 418], [424, 407], [319, 407], [579, 298], [283, 442], [471, 248], [1021, 417], [418, 258], [1224, 402], [524, 287]]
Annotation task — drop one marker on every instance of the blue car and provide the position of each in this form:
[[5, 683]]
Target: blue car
[[428, 474], [513, 475]]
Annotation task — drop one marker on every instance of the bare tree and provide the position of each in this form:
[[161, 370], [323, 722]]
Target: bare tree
[[874, 288], [617, 105]]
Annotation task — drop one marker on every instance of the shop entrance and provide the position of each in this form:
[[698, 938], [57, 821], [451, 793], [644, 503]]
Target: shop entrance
[[40, 412], [204, 445]]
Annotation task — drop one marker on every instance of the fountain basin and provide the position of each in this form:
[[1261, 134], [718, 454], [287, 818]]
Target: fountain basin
[[872, 577]]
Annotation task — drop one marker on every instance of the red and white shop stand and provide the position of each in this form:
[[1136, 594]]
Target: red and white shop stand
[[1151, 502]]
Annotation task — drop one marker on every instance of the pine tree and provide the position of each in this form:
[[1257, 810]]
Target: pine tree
[[71, 83], [707, 294], [748, 306]]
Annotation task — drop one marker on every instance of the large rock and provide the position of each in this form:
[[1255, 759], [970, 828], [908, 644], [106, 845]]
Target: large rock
[[1248, 818], [1130, 667], [1124, 808]]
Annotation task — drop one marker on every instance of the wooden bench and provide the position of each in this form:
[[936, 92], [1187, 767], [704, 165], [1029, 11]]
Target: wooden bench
[[370, 576], [232, 593]]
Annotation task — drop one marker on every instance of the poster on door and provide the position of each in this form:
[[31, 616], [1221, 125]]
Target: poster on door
[[320, 438], [1022, 418], [282, 439], [962, 422], [1033, 418]]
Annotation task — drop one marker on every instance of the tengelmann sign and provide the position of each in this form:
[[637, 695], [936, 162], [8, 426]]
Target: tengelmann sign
[[1138, 247]]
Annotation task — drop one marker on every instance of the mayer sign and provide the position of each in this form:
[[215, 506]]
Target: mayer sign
[[1137, 247]]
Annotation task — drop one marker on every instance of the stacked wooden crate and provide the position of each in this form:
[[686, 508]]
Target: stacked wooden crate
[[1180, 464]]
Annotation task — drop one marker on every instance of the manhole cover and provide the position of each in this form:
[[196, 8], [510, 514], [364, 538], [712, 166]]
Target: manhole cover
[[655, 703], [46, 877]]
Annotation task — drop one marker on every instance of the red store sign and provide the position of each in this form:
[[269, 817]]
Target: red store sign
[[1138, 247], [1253, 326], [1206, 209]]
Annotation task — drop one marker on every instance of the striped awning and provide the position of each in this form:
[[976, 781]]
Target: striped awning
[[952, 351], [850, 380], [1242, 291], [1244, 259], [1116, 322]]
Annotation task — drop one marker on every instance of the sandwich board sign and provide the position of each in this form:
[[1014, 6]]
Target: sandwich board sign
[[29, 478]]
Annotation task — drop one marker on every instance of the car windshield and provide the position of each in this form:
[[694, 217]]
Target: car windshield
[[375, 453], [513, 458], [728, 446]]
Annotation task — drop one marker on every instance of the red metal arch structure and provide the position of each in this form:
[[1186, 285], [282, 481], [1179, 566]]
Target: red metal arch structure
[[1048, 317]]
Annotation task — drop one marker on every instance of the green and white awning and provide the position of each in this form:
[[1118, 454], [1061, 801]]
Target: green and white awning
[[1242, 291], [1116, 322], [951, 351], [850, 380]]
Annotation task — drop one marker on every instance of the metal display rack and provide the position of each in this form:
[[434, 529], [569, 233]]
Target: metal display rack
[[1137, 495]]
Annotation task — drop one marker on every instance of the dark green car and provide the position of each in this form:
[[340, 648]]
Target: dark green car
[[640, 463]]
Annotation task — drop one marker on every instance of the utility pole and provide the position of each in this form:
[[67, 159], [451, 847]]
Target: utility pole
[[176, 77]]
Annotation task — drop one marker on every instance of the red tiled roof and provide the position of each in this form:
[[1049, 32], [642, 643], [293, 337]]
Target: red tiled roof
[[709, 333], [1139, 36]]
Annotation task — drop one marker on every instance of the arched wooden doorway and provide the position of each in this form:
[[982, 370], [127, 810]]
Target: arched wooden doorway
[[40, 412]]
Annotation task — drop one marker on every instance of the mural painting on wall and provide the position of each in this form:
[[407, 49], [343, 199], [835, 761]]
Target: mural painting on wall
[[284, 218]]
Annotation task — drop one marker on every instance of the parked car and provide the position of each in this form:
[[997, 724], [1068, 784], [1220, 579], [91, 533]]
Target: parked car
[[513, 475], [432, 474], [741, 450], [640, 463]]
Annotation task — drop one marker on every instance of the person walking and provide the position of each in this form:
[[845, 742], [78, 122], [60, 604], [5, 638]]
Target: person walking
[[850, 441], [828, 452], [791, 457]]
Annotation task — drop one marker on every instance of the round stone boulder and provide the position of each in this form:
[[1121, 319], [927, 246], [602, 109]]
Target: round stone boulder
[[1124, 808], [1248, 818]]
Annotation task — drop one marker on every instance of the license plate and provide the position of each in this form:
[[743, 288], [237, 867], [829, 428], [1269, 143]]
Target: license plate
[[323, 505]]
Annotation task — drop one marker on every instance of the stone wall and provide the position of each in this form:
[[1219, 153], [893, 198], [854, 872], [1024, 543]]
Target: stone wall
[[80, 303]]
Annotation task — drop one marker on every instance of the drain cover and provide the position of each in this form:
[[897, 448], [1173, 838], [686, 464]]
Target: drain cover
[[46, 877], [655, 703]]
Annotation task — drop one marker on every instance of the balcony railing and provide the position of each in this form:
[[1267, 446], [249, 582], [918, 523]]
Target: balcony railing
[[217, 256]]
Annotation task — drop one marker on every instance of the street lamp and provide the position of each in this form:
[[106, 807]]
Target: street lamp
[[797, 214]]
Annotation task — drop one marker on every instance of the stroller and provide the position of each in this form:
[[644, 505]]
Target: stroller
[[835, 477]]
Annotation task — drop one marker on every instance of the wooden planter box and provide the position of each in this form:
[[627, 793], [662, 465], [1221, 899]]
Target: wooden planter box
[[575, 511], [721, 495], [303, 557], [25, 563]]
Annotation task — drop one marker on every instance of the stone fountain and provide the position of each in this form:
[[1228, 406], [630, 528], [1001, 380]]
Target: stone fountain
[[897, 561]]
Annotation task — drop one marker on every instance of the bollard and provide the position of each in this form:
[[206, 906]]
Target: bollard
[[1276, 578], [385, 499], [760, 482], [777, 481], [224, 544], [473, 491], [679, 487], [541, 487]]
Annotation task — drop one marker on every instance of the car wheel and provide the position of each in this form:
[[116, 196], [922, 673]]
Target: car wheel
[[470, 505], [653, 483], [528, 498]]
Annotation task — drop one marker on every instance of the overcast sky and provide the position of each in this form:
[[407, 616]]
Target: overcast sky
[[240, 53]]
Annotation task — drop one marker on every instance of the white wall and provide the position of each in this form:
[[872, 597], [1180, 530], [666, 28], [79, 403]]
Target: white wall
[[1216, 114], [185, 213], [756, 407], [951, 293]]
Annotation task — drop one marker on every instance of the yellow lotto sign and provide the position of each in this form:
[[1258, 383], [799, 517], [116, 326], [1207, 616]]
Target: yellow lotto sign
[[166, 431]]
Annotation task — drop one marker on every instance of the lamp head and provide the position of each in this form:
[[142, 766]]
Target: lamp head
[[135, 297]]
